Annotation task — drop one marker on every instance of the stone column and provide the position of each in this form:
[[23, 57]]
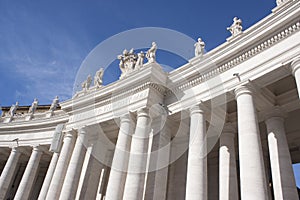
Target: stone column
[[70, 185], [134, 185], [29, 175], [284, 185], [252, 171], [196, 183], [61, 166], [295, 65], [119, 166], [228, 188], [9, 171], [48, 178]]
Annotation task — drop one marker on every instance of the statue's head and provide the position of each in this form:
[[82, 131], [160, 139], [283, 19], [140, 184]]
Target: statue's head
[[17, 103], [125, 52]]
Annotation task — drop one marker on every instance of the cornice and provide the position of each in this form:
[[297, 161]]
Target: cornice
[[263, 45], [254, 40]]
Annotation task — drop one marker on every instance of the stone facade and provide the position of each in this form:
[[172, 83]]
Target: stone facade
[[224, 131]]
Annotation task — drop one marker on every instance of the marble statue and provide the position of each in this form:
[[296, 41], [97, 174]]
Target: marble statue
[[33, 106], [87, 83], [98, 78], [127, 62], [151, 53], [140, 60], [236, 27], [54, 104], [13, 109], [199, 47]]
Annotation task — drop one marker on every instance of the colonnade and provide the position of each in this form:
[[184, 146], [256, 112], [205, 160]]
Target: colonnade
[[128, 172]]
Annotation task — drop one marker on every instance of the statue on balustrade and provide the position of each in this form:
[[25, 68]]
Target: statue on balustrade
[[13, 109], [140, 60], [87, 83], [236, 27], [98, 78], [151, 53], [54, 104], [33, 106], [199, 47]]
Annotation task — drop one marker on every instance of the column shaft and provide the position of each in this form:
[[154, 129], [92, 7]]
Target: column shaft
[[134, 185], [284, 185], [119, 167], [252, 171], [61, 166], [48, 178], [29, 175], [70, 185], [228, 188], [9, 171], [196, 184]]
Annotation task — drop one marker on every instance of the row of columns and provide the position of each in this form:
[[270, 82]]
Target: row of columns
[[253, 183], [128, 171]]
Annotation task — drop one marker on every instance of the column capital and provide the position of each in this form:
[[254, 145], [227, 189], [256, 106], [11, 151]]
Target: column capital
[[37, 148], [125, 118], [16, 149], [198, 108], [275, 111], [295, 65], [143, 112], [243, 89]]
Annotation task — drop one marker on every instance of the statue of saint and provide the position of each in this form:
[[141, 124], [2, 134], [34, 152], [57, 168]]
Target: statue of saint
[[236, 27], [140, 60], [13, 109], [33, 106], [87, 83], [199, 47], [98, 78], [151, 53], [54, 104]]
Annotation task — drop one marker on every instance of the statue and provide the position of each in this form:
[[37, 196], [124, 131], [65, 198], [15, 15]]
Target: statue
[[236, 27], [127, 62], [13, 109], [87, 83], [199, 47], [98, 78], [54, 104], [140, 60], [33, 106], [151, 53]]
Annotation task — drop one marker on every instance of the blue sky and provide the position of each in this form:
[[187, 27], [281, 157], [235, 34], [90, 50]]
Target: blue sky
[[43, 43]]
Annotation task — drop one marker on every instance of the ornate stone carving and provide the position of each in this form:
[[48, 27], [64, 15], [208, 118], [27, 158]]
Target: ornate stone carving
[[151, 53], [33, 106], [127, 62], [13, 109], [87, 83], [236, 27], [98, 78], [199, 47], [54, 104], [140, 60]]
